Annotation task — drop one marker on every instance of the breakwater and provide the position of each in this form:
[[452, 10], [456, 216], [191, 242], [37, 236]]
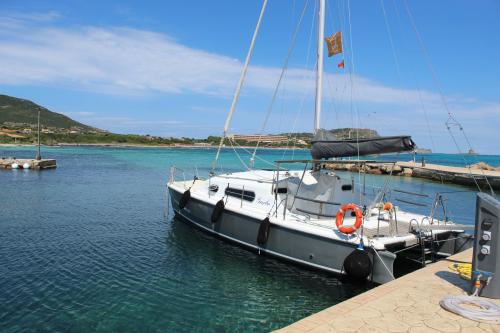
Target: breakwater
[[466, 176]]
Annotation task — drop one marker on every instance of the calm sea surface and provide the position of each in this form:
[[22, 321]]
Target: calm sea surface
[[87, 248]]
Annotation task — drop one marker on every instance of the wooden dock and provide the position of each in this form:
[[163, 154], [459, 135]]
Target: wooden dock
[[407, 304], [7, 162]]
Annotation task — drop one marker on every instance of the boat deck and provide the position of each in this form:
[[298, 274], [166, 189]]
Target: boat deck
[[407, 304]]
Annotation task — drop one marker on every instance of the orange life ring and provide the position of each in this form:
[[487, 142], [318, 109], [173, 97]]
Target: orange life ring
[[340, 218]]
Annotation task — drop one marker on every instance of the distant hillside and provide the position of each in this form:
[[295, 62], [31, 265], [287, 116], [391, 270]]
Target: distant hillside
[[362, 133], [341, 133], [21, 111]]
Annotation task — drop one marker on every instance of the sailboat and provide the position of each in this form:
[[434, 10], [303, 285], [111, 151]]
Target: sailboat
[[309, 215]]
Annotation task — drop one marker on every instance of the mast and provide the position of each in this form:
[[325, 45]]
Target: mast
[[319, 68], [38, 155], [240, 84]]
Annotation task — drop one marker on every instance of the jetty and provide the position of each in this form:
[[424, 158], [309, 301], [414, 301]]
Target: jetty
[[466, 176], [407, 304], [8, 162]]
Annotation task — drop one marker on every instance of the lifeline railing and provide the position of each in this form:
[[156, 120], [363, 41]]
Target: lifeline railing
[[438, 216]]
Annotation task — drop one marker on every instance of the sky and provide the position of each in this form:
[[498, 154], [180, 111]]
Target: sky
[[170, 68]]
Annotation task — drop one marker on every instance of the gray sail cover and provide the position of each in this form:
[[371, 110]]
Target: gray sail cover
[[325, 145]]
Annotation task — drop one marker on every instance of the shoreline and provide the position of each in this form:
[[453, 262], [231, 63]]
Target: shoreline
[[128, 145], [131, 145]]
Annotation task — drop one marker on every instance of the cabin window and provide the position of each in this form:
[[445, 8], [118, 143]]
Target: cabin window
[[213, 188], [281, 190], [346, 187], [239, 193]]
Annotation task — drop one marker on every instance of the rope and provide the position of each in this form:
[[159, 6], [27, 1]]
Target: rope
[[351, 74], [249, 153], [282, 74], [238, 155], [304, 78], [383, 263], [240, 84], [166, 207], [485, 311], [398, 70], [451, 119]]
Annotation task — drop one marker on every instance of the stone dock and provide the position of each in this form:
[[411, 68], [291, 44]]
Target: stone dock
[[407, 304], [467, 176], [6, 163]]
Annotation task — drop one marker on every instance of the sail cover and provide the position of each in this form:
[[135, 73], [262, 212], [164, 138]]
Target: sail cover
[[326, 145]]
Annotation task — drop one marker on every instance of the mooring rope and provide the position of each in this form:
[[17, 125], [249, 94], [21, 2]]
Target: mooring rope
[[485, 311]]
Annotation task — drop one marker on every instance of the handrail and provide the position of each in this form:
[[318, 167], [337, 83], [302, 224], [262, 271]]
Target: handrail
[[314, 213], [412, 193], [318, 201], [412, 203]]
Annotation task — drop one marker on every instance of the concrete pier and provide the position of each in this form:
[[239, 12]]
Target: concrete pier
[[441, 173], [407, 304], [456, 175], [6, 163]]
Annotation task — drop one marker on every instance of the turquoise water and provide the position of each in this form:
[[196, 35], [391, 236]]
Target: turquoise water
[[86, 248]]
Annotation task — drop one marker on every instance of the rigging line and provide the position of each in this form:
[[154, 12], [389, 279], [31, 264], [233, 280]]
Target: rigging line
[[283, 71], [421, 100], [389, 33], [249, 153], [330, 90], [240, 83], [351, 76], [304, 79], [451, 119], [428, 59], [284, 90], [466, 165], [238, 155], [336, 105]]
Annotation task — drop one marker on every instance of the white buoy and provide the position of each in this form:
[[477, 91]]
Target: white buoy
[[26, 166], [14, 166]]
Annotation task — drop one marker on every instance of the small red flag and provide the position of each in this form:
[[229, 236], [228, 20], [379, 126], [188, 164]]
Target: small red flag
[[341, 64]]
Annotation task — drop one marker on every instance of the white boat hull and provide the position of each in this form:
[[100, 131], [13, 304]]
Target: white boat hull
[[311, 250]]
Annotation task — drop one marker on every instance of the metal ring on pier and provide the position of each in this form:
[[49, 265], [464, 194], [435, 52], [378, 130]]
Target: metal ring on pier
[[340, 218]]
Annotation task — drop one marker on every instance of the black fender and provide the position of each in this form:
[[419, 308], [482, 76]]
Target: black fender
[[185, 199], [358, 265], [218, 210], [263, 235]]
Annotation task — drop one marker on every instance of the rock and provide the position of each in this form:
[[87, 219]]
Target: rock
[[397, 169], [407, 172], [483, 166], [374, 171]]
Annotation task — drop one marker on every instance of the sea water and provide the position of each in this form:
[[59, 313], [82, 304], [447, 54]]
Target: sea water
[[87, 247]]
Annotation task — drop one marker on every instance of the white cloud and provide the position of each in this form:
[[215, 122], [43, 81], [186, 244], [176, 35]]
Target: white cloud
[[130, 61], [79, 114]]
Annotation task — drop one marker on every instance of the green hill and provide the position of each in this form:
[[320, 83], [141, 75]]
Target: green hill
[[341, 133], [23, 112]]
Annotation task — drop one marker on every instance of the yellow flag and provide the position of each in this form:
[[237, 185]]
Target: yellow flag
[[334, 44]]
